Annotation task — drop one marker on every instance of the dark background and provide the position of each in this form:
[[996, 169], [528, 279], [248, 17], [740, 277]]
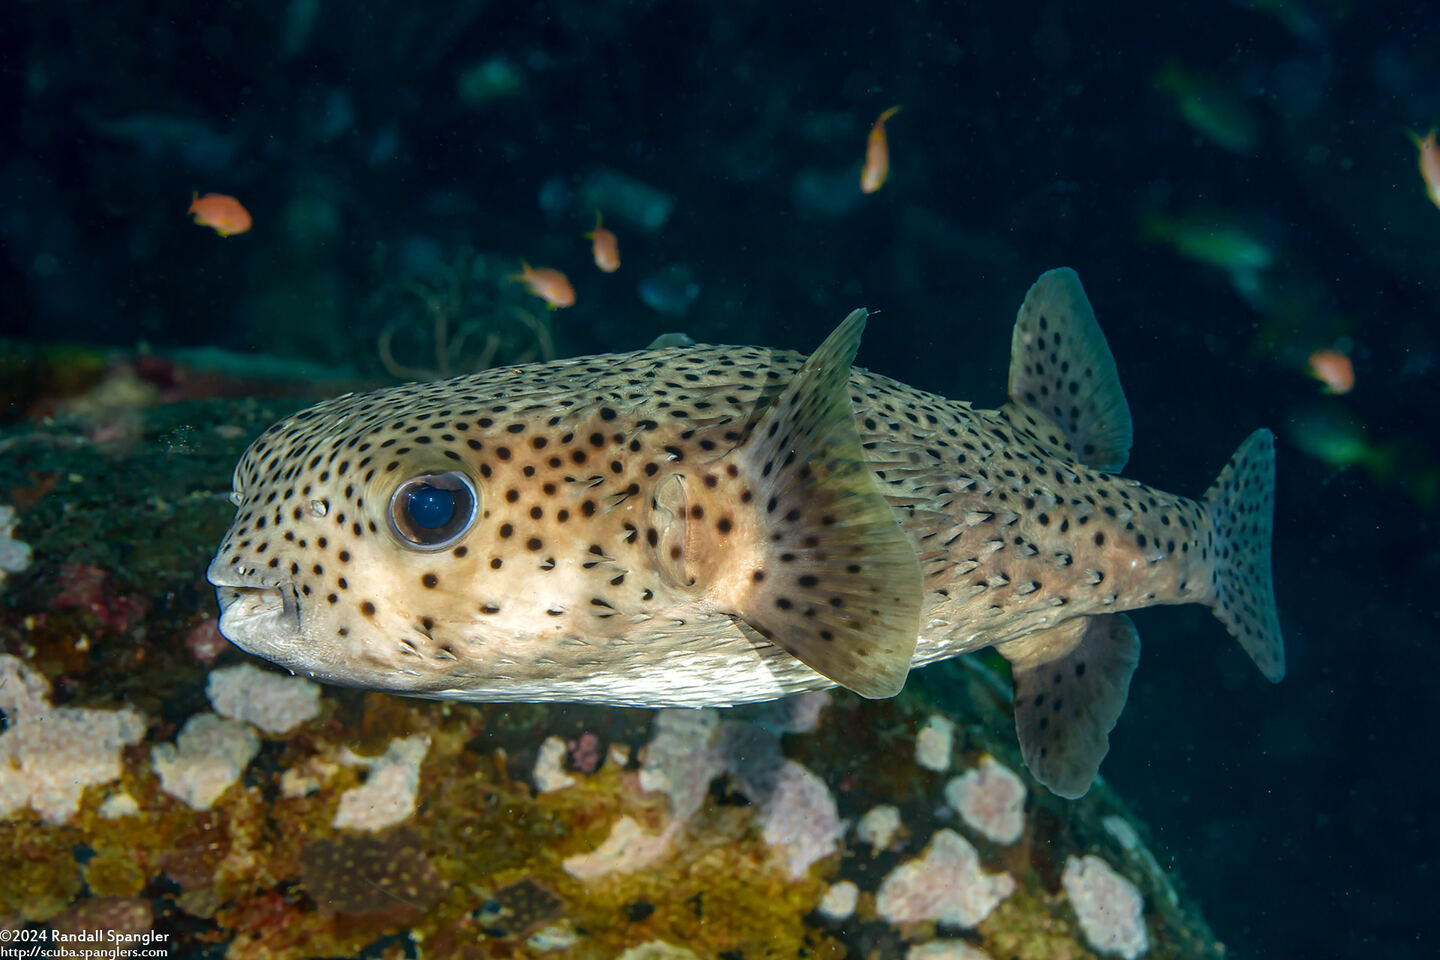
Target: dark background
[[1032, 135]]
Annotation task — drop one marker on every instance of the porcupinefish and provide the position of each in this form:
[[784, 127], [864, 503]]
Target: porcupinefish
[[710, 525]]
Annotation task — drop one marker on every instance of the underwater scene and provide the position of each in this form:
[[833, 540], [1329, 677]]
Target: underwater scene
[[681, 480]]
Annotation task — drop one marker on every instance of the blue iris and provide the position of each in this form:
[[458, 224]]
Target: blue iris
[[430, 507]]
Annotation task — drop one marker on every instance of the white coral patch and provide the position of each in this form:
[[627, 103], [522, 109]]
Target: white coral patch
[[628, 848], [119, 805], [205, 760], [658, 950], [839, 901], [990, 799], [934, 742], [878, 827], [388, 795], [946, 885], [549, 771], [307, 778], [14, 555], [1110, 909], [800, 817], [795, 714], [49, 755], [1124, 834], [273, 702], [682, 759], [1140, 855], [557, 936]]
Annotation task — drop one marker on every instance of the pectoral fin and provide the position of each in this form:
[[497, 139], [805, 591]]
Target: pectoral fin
[[837, 583]]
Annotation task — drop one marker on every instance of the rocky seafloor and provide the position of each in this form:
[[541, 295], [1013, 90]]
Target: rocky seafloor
[[155, 780]]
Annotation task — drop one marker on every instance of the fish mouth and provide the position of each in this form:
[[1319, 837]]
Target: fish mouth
[[278, 604], [257, 617]]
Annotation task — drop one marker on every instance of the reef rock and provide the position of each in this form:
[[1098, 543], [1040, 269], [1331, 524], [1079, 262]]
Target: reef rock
[[362, 823]]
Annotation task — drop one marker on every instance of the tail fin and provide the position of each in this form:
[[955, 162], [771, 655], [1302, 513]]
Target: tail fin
[[1241, 508]]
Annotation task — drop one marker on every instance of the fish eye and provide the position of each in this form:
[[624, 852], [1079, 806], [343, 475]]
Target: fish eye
[[433, 510]]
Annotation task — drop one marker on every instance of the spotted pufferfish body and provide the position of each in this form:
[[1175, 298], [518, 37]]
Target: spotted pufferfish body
[[705, 526]]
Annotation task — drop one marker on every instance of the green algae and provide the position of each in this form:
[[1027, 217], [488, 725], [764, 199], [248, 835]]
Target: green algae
[[147, 508], [1034, 926]]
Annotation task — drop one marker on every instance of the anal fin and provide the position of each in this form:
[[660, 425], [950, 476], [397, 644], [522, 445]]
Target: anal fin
[[1061, 368], [837, 582], [1071, 682]]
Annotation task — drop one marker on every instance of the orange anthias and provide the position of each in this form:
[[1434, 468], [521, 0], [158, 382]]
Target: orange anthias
[[220, 212], [877, 155], [604, 246], [1334, 369], [1429, 162], [548, 284]]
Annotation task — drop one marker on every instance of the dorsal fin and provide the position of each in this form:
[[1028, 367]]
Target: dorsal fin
[[667, 340], [1061, 367], [837, 583]]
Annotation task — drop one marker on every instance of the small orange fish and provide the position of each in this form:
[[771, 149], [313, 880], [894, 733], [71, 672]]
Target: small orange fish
[[1334, 369], [877, 155], [220, 212], [604, 246], [1429, 163], [548, 284]]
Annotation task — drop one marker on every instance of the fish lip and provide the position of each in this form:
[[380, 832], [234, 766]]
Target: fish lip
[[276, 602], [227, 574], [258, 616]]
